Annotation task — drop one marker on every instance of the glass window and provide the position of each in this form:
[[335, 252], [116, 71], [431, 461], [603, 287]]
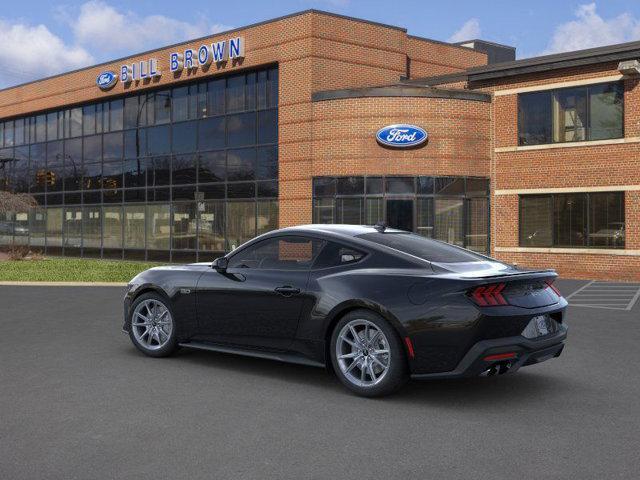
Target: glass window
[[425, 185], [606, 220], [606, 106], [184, 137], [424, 217], [180, 103], [536, 217], [534, 118], [241, 190], [374, 186], [211, 133], [268, 189], [349, 211], [324, 187], [184, 169], [37, 226], [449, 186], [267, 216], [134, 227], [268, 126], [75, 122], [212, 167], [235, 93], [400, 185], [241, 164], [350, 186], [6, 228], [211, 226], [92, 149], [184, 226], [477, 234], [570, 115], [21, 228], [261, 89], [52, 126], [92, 176], [41, 129], [162, 107], [215, 97], [477, 187], [250, 91], [241, 129], [135, 143], [54, 227], [159, 171], [102, 117], [449, 217], [158, 226], [241, 222], [116, 115], [159, 140], [111, 175], [92, 227], [21, 166], [267, 167], [8, 134], [334, 255], [323, 210], [421, 247], [272, 88], [135, 172], [89, 120], [112, 145], [130, 115], [281, 253], [374, 211], [73, 227], [112, 234], [570, 219], [37, 176]]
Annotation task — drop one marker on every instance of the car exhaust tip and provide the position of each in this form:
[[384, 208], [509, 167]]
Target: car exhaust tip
[[499, 368]]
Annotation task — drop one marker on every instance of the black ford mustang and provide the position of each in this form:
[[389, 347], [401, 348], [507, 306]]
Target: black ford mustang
[[373, 304]]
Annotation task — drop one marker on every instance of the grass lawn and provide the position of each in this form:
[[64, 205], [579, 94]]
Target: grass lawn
[[71, 270]]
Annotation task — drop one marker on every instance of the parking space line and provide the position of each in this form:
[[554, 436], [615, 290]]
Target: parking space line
[[579, 290], [634, 300]]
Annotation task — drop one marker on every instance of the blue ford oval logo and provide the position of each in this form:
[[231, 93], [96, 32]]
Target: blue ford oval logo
[[106, 80], [401, 136]]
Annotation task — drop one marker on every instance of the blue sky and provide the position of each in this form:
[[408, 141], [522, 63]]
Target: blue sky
[[43, 37]]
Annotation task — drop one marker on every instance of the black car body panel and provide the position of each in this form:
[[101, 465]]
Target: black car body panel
[[429, 304]]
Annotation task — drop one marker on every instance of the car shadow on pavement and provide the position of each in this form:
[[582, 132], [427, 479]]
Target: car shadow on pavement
[[523, 387]]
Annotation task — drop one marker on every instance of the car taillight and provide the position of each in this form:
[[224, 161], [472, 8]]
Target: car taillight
[[488, 295], [552, 287]]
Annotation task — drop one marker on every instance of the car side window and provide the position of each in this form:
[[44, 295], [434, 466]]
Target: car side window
[[334, 255], [279, 253]]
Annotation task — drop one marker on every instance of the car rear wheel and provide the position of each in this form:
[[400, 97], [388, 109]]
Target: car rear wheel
[[367, 354], [152, 325]]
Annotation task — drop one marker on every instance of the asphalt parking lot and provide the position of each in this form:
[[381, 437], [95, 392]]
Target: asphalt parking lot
[[78, 401]]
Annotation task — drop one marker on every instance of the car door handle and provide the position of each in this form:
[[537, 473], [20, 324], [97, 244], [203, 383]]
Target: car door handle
[[287, 291]]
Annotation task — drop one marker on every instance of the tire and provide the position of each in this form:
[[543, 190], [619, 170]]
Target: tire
[[356, 365], [156, 335]]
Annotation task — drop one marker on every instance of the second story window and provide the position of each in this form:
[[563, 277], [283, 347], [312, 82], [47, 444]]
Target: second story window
[[593, 112]]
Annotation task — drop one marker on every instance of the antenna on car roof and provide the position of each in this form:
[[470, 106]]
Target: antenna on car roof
[[380, 226]]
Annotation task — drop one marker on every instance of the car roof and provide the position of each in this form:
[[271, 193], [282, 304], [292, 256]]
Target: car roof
[[336, 229]]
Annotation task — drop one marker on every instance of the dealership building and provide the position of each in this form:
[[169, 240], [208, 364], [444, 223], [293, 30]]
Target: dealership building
[[184, 152]]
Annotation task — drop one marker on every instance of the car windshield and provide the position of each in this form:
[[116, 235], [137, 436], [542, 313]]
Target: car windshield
[[425, 248]]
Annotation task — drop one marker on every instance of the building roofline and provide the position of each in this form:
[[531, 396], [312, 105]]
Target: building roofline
[[440, 42], [556, 61], [436, 79], [495, 44], [225, 32], [400, 90]]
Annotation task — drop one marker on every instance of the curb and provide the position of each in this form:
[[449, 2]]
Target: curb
[[63, 284]]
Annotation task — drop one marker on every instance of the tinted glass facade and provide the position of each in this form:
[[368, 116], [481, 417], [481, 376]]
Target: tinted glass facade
[[161, 175], [452, 209]]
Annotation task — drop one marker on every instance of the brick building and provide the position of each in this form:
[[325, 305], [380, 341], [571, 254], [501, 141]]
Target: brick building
[[183, 152]]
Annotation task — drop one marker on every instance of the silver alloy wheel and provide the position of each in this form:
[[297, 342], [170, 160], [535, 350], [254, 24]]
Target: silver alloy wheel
[[362, 351], [152, 324]]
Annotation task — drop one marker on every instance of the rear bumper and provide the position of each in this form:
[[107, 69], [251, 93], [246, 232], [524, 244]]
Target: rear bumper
[[527, 352]]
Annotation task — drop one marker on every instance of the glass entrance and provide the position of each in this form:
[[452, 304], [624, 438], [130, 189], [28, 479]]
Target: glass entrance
[[400, 214]]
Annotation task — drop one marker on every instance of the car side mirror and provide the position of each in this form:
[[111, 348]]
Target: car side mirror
[[220, 264]]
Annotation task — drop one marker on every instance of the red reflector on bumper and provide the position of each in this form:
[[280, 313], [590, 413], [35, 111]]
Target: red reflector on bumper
[[500, 356], [407, 340]]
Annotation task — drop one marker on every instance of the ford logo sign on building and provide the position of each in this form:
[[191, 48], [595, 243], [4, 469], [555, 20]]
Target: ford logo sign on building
[[106, 80], [401, 136]]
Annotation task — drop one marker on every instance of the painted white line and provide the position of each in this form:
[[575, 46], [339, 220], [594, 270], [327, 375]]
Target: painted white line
[[634, 300], [598, 306], [63, 284], [579, 290]]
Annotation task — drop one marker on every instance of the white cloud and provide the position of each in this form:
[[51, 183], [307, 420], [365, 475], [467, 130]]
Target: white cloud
[[469, 31], [104, 29], [591, 30], [28, 52]]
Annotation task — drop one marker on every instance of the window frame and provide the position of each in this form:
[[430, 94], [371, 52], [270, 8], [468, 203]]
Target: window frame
[[552, 93], [553, 232]]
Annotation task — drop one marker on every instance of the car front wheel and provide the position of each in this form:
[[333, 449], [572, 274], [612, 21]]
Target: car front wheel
[[152, 325], [367, 354]]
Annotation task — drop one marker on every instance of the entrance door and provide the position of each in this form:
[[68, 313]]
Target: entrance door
[[400, 214]]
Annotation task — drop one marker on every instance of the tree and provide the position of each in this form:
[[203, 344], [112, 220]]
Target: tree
[[16, 202]]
